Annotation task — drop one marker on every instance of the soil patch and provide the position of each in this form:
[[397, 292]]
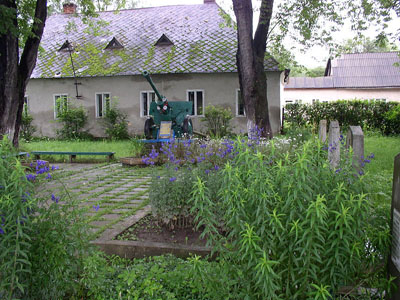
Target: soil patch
[[147, 229]]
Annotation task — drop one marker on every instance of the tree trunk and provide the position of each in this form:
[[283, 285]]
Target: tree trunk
[[8, 77], [250, 63], [15, 72]]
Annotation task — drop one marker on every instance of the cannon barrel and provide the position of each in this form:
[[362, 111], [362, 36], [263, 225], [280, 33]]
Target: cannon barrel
[[148, 78]]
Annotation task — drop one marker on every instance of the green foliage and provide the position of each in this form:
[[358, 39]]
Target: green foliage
[[368, 114], [392, 121], [60, 241], [16, 204], [164, 277], [362, 44], [27, 129], [217, 121], [41, 241], [73, 120], [294, 228], [115, 123]]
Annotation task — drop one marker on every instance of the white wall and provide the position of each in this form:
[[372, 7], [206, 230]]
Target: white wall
[[307, 95], [218, 89]]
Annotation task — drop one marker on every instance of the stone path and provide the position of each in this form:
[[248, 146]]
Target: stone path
[[109, 193]]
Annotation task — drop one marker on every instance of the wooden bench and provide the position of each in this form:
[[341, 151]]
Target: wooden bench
[[72, 154], [19, 154]]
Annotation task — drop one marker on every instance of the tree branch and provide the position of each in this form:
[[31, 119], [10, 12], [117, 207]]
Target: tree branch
[[29, 55]]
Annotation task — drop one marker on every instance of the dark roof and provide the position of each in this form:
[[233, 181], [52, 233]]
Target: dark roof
[[202, 43], [358, 70]]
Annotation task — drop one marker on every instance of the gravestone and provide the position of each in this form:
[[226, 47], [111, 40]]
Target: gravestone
[[322, 131], [355, 140], [394, 257], [334, 144]]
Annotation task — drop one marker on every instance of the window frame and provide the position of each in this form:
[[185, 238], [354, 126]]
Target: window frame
[[195, 100], [62, 95], [103, 102], [237, 105], [148, 92]]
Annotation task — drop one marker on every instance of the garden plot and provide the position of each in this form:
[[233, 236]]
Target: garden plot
[[108, 193]]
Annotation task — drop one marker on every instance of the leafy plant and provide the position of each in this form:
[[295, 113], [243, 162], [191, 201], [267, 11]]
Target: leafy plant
[[73, 120], [392, 118], [367, 114], [42, 242], [115, 123], [217, 121], [295, 228], [27, 128]]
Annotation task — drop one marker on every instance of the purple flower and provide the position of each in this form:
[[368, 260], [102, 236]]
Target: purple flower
[[367, 161], [172, 179], [203, 146], [372, 155], [96, 207], [338, 170], [158, 177], [48, 176], [54, 168], [176, 168], [54, 198], [1, 229], [216, 168], [28, 155], [207, 171], [361, 172], [31, 177]]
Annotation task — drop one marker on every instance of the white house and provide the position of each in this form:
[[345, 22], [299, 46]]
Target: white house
[[364, 76], [189, 50]]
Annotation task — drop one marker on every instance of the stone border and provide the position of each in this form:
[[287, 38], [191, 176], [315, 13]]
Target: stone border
[[140, 249]]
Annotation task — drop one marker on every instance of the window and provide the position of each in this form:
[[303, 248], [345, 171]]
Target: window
[[315, 101], [197, 99], [239, 104], [102, 104], [60, 104], [146, 97]]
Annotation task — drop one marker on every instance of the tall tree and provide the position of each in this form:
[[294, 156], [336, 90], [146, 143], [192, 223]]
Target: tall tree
[[306, 22]]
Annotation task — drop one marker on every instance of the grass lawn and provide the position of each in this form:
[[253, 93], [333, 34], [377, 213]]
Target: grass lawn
[[121, 148]]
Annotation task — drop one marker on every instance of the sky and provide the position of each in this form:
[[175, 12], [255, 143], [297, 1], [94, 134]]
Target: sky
[[313, 57]]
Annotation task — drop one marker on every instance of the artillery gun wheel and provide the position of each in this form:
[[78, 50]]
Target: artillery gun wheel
[[187, 126], [148, 128]]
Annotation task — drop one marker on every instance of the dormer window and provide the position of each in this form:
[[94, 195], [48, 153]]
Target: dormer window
[[66, 47], [114, 44], [164, 41]]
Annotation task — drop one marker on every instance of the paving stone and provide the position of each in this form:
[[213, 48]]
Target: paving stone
[[110, 216], [99, 223], [120, 210]]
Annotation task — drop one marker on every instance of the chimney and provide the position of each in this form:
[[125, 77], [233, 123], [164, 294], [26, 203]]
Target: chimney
[[69, 8], [209, 1]]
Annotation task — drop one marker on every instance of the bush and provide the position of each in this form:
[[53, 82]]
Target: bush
[[27, 128], [294, 228], [367, 114], [73, 120], [42, 243], [217, 120], [115, 123], [392, 121]]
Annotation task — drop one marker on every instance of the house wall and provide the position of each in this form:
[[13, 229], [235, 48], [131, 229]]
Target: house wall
[[307, 95], [219, 89]]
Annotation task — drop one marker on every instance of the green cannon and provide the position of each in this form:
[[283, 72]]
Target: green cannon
[[161, 110]]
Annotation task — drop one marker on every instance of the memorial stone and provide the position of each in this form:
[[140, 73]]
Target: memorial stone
[[355, 140], [334, 144], [322, 131]]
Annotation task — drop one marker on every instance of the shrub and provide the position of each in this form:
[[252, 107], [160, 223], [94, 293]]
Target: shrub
[[392, 120], [367, 114], [115, 123], [73, 120], [42, 243], [295, 229], [27, 128], [217, 121]]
